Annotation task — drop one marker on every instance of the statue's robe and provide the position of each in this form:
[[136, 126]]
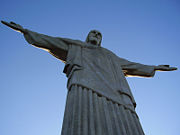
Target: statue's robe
[[99, 100]]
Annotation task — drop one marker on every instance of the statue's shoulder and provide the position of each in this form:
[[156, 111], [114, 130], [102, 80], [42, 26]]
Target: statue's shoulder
[[107, 51], [111, 54], [73, 41]]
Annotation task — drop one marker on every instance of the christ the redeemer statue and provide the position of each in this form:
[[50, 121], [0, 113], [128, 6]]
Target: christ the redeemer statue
[[99, 100]]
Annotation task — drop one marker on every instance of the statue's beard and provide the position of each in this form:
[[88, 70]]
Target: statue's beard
[[94, 42]]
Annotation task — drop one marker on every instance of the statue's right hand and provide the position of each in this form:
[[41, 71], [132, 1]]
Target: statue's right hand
[[14, 26], [165, 68]]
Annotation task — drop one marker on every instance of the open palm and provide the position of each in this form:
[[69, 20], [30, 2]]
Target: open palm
[[14, 26]]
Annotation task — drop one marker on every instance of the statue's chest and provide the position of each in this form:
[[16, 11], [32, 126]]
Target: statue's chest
[[98, 59], [97, 53], [96, 56]]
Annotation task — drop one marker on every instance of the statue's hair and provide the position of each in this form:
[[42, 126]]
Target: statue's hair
[[87, 38]]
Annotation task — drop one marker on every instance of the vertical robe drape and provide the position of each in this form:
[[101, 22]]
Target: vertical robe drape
[[99, 100]]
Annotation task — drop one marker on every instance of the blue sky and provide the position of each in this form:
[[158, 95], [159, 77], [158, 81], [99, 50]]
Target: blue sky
[[33, 87]]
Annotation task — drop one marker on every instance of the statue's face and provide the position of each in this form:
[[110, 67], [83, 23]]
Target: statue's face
[[94, 37]]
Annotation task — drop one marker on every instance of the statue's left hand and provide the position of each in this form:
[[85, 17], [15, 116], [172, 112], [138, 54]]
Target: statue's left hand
[[165, 68], [14, 26]]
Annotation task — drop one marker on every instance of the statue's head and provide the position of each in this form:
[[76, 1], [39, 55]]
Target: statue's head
[[94, 37]]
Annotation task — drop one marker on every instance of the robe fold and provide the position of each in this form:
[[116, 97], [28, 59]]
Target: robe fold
[[96, 70]]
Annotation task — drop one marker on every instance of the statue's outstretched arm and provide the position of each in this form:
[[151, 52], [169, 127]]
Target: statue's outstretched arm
[[55, 45], [141, 70], [37, 39]]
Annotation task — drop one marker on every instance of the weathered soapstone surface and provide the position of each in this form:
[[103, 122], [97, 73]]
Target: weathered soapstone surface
[[99, 99]]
